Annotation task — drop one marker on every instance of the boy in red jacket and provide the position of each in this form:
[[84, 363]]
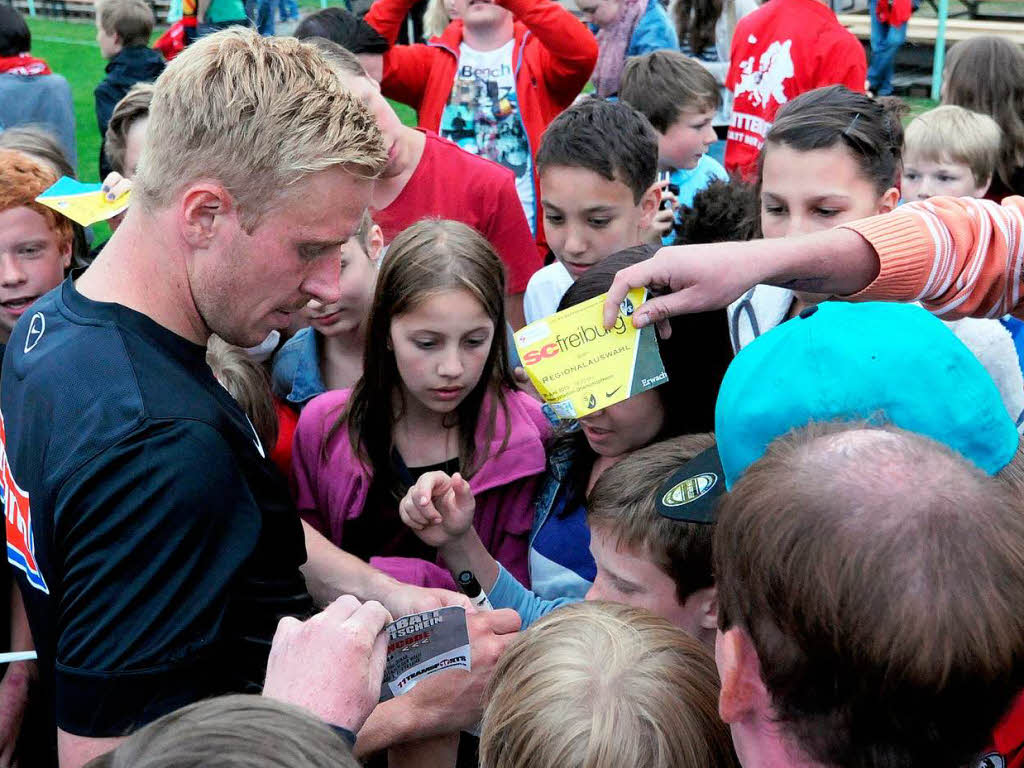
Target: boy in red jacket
[[782, 49], [493, 80]]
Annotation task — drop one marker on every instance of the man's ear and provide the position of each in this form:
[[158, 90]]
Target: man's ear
[[889, 200], [649, 204], [375, 243], [743, 692], [204, 210]]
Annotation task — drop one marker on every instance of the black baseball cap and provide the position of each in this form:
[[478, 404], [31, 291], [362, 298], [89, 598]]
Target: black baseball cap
[[692, 492]]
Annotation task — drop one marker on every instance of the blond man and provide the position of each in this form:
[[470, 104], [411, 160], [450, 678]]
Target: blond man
[[160, 548]]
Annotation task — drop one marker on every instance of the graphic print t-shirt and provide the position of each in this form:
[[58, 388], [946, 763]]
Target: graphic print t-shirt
[[783, 49], [482, 116]]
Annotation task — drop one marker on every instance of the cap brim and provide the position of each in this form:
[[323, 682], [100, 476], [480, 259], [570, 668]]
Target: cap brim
[[692, 492]]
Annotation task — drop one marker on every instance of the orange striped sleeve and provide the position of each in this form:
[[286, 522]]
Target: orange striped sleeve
[[959, 257]]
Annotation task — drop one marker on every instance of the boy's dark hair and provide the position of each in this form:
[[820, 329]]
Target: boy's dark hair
[[623, 504], [722, 212], [609, 138], [130, 20], [661, 85], [826, 117], [15, 36], [884, 605], [344, 28]]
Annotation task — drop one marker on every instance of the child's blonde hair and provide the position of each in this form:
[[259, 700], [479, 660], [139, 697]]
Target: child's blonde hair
[[247, 382], [435, 19], [958, 135], [603, 685]]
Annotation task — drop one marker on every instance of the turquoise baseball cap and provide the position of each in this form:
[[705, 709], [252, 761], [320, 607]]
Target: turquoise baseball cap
[[890, 363]]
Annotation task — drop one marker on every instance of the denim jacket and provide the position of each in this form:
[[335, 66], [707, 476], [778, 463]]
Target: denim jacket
[[295, 372], [551, 579]]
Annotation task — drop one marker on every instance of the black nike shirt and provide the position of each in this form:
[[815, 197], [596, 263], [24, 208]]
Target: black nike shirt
[[155, 545]]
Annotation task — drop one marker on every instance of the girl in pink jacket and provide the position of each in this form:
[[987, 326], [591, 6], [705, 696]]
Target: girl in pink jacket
[[435, 395]]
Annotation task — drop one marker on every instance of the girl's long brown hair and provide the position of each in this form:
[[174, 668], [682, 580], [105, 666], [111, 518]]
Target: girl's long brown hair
[[429, 258]]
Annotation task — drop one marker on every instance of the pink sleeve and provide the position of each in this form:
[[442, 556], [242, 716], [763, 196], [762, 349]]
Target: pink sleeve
[[305, 468], [960, 257], [411, 570]]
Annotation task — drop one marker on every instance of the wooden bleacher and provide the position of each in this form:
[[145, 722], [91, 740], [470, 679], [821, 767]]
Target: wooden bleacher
[[81, 9], [921, 30]]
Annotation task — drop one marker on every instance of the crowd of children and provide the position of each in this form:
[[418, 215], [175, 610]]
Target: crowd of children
[[282, 405]]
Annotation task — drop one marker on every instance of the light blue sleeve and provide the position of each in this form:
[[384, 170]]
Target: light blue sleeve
[[509, 593], [653, 32]]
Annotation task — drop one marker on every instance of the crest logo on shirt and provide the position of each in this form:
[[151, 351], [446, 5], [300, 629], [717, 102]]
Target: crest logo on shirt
[[21, 546], [36, 328], [768, 81]]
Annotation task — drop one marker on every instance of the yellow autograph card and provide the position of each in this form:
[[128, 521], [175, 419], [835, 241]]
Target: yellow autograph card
[[578, 366]]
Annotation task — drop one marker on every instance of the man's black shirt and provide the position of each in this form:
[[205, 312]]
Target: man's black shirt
[[156, 547]]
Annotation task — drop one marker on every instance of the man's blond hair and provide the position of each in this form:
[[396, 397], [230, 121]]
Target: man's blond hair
[[130, 20], [256, 114], [604, 685], [956, 134]]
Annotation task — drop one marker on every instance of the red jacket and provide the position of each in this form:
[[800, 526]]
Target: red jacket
[[895, 13], [554, 55]]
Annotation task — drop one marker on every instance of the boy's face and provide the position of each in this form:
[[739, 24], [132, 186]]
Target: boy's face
[[630, 577], [928, 177], [32, 262], [480, 14], [358, 278], [686, 140], [110, 44], [368, 92], [588, 218]]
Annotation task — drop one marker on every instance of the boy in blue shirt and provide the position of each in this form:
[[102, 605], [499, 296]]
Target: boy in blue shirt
[[680, 98]]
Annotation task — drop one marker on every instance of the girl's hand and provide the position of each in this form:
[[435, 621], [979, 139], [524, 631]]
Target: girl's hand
[[438, 508], [115, 185]]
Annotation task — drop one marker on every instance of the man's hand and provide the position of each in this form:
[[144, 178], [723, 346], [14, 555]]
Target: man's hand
[[456, 698], [331, 664], [403, 599], [14, 692], [439, 508], [696, 278]]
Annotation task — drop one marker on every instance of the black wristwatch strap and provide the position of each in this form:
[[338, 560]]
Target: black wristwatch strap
[[345, 733]]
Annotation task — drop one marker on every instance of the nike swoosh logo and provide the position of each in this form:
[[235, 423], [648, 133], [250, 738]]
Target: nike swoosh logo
[[612, 393]]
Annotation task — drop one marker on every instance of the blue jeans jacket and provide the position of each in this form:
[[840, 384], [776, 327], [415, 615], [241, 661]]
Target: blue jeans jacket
[[295, 371], [560, 561]]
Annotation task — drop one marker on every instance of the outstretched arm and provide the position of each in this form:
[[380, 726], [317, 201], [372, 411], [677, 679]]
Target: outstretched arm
[[959, 257]]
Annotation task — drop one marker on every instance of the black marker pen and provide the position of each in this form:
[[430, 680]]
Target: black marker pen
[[475, 593]]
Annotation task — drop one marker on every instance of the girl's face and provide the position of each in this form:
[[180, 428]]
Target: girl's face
[[624, 427], [358, 277], [600, 13], [441, 347], [804, 192]]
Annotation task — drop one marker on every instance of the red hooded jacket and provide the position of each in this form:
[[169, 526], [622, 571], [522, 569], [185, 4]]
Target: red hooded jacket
[[554, 55]]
